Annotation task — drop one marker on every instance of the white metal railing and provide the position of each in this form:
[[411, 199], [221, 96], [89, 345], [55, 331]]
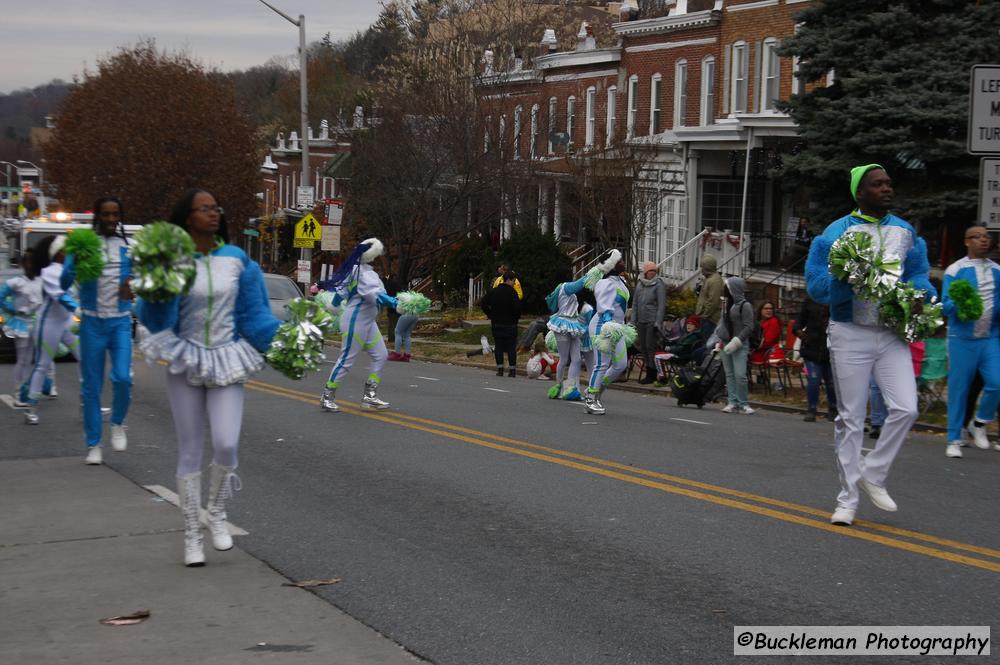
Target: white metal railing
[[684, 264], [584, 258], [684, 259], [476, 287]]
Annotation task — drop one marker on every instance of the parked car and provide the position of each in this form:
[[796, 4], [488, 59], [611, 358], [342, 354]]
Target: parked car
[[280, 289]]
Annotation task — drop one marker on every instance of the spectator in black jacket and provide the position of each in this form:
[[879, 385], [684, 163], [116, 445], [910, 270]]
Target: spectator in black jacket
[[503, 308], [811, 329]]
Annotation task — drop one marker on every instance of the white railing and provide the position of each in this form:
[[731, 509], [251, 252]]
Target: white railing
[[584, 258], [684, 264], [476, 288]]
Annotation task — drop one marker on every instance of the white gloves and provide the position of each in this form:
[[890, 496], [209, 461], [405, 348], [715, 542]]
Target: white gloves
[[734, 345]]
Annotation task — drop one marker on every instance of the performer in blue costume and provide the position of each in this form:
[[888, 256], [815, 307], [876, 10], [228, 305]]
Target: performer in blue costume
[[862, 347], [211, 341], [20, 299], [569, 331], [53, 320], [360, 289], [973, 344], [105, 329], [612, 296]]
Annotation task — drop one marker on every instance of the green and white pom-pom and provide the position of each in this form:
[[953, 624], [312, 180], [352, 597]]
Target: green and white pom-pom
[[611, 333], [593, 276], [297, 346], [412, 302], [968, 302], [905, 311], [871, 275], [325, 298], [550, 342], [162, 262], [85, 247]]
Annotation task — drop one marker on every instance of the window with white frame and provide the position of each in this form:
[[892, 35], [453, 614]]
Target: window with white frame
[[680, 93], [502, 133], [591, 112], [648, 225], [655, 89], [741, 70], [708, 91], [486, 134], [570, 118], [518, 120], [633, 105], [533, 148], [770, 73], [609, 127], [797, 87], [552, 123]]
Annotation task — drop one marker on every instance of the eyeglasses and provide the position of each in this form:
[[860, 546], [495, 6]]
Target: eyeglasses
[[206, 209], [978, 236]]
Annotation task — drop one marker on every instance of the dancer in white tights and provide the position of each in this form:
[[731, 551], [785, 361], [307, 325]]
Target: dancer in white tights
[[211, 340], [20, 299]]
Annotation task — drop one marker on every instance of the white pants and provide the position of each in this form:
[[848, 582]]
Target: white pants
[[24, 346], [569, 358], [858, 353], [191, 405], [359, 332]]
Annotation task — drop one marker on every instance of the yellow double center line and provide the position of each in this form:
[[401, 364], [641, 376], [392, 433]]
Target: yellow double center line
[[722, 496]]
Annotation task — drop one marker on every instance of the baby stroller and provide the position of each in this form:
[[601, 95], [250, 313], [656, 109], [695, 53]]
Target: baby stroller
[[700, 383]]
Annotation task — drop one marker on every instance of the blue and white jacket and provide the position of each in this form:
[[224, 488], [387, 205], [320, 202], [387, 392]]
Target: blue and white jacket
[[984, 275], [564, 302], [891, 236], [99, 297], [612, 296], [20, 299], [216, 333]]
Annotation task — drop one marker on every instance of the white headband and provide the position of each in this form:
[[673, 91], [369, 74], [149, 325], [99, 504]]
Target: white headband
[[609, 264], [57, 246]]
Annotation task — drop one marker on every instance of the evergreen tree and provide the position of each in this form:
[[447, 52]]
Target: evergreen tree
[[899, 98]]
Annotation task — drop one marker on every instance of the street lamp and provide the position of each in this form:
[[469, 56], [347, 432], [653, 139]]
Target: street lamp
[[41, 181], [305, 254]]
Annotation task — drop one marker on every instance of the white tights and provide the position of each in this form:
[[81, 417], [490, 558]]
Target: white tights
[[223, 407]]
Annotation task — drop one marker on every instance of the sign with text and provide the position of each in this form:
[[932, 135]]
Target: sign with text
[[984, 110], [307, 232], [331, 239], [305, 198], [334, 211], [989, 193], [304, 271]]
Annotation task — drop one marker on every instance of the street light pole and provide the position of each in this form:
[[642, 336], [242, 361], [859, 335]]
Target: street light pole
[[305, 179], [41, 181]]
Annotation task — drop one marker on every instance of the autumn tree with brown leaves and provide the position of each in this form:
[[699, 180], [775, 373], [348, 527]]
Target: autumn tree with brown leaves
[[147, 126]]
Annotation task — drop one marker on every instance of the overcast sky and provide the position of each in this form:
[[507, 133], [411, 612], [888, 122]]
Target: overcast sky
[[46, 39]]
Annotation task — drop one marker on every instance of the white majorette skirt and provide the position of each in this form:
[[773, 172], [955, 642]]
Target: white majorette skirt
[[233, 362]]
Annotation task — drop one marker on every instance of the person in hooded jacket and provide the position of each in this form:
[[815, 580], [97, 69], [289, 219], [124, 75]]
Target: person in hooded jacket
[[734, 332], [810, 327], [709, 305], [648, 305]]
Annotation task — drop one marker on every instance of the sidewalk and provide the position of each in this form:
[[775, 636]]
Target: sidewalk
[[79, 543]]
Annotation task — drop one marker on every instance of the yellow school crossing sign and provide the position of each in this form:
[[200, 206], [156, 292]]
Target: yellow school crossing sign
[[307, 232]]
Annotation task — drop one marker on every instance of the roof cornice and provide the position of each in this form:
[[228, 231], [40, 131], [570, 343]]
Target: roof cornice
[[578, 58], [666, 24]]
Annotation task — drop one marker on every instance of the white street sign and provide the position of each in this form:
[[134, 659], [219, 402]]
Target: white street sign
[[331, 239], [304, 272], [305, 198], [989, 193], [984, 110]]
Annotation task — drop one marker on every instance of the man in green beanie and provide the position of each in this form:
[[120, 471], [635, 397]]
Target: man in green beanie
[[861, 347], [709, 306]]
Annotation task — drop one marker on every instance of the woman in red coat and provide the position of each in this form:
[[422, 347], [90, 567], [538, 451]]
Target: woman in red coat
[[769, 349]]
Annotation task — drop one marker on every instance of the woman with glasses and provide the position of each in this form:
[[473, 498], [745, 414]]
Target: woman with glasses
[[211, 340], [105, 328]]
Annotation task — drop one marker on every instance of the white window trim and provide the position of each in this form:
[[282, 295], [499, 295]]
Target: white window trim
[[633, 105], [570, 118], [591, 113], [518, 126], [680, 92], [796, 64], [706, 111], [738, 74], [655, 86], [553, 109], [533, 137], [502, 132], [611, 116], [768, 54]]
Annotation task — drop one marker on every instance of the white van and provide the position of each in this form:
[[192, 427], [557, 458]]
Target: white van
[[33, 230]]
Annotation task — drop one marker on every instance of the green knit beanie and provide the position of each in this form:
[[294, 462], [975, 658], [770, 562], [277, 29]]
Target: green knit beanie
[[857, 173]]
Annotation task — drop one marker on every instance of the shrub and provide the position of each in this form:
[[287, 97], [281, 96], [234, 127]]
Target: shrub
[[539, 262], [681, 303]]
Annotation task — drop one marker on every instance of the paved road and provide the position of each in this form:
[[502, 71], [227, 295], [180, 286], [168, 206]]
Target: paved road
[[478, 523]]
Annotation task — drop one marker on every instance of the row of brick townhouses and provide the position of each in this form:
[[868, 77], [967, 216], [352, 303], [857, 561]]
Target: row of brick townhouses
[[693, 94]]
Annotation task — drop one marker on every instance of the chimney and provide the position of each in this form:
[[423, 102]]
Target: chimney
[[324, 130], [581, 37], [591, 43], [680, 7], [359, 117], [488, 63], [549, 42], [293, 140], [628, 11]]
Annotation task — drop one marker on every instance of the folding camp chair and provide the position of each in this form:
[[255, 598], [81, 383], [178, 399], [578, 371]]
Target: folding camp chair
[[933, 377]]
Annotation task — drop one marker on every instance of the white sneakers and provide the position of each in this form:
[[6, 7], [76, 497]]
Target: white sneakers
[[745, 410], [729, 408], [30, 417], [732, 408], [979, 438], [842, 516], [879, 496], [119, 442], [953, 450], [94, 455]]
